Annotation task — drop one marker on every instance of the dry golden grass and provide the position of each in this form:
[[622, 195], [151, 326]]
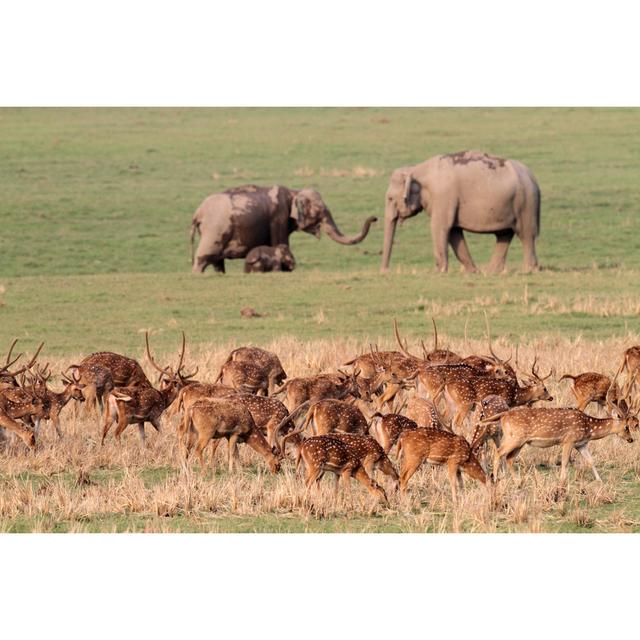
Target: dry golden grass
[[77, 485]]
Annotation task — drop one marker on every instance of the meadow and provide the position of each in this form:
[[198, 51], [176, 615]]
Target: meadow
[[95, 206]]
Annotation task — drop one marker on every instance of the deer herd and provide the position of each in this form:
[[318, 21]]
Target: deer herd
[[440, 407]]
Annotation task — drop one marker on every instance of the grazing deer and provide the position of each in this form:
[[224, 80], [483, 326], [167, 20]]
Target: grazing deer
[[327, 453], [569, 428], [462, 394], [215, 418], [325, 385], [262, 358], [371, 455], [386, 429], [330, 415], [245, 376], [438, 448], [590, 387]]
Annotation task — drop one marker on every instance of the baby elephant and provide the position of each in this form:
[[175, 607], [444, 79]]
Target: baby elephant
[[262, 259]]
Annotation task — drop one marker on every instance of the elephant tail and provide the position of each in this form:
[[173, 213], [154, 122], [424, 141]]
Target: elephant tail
[[195, 226]]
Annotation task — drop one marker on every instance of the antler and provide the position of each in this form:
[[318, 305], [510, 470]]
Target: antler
[[403, 347], [28, 366], [9, 362], [491, 351], [435, 334], [151, 360]]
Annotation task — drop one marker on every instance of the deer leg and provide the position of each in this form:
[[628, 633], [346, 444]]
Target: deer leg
[[215, 443], [232, 451], [452, 468], [141, 432], [56, 425], [203, 441], [566, 457], [408, 467], [123, 422], [586, 454], [109, 419]]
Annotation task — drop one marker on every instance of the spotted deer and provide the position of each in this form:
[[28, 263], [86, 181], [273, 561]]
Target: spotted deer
[[487, 427], [437, 448], [319, 387], [371, 455], [568, 428], [327, 453], [266, 360], [462, 394], [141, 403], [590, 387], [326, 416], [211, 419], [245, 376], [424, 413], [21, 407], [386, 429], [631, 364], [55, 402]]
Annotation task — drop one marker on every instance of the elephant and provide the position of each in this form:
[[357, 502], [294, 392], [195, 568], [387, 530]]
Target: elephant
[[466, 191], [233, 222], [262, 259]]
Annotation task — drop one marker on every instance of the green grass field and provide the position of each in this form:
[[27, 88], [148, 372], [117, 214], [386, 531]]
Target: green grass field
[[96, 204]]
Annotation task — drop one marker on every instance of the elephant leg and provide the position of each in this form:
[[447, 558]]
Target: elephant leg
[[440, 238], [459, 246], [499, 257], [530, 261], [218, 265]]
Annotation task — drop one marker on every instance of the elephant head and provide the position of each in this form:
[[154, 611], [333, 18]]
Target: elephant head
[[313, 216], [403, 200]]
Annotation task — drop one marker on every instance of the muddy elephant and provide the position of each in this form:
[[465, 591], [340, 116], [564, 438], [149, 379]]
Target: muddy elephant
[[466, 191], [233, 222], [263, 259]]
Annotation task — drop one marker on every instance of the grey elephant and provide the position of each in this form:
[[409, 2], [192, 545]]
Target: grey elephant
[[263, 259], [233, 222], [466, 191]]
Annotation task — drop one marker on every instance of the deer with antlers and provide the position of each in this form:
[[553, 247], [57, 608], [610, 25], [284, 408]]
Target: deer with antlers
[[8, 378], [210, 420], [137, 404], [437, 448], [568, 428], [590, 387], [266, 360], [462, 395]]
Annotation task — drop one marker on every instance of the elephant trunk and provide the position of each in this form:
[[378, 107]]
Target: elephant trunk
[[333, 232], [390, 223]]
